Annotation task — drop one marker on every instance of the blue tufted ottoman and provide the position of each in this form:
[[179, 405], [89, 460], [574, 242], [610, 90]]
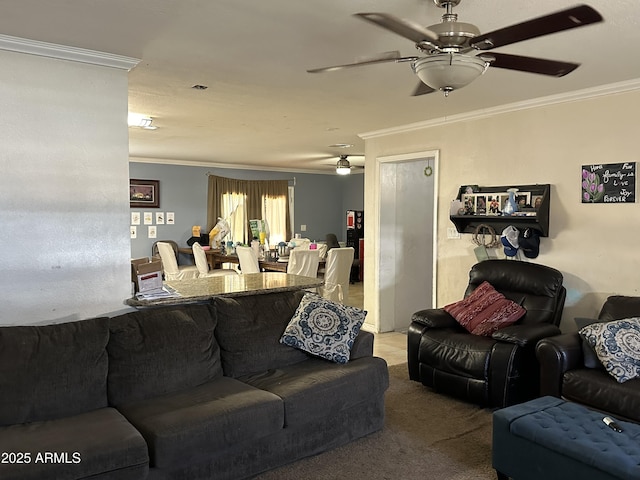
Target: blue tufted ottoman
[[549, 438]]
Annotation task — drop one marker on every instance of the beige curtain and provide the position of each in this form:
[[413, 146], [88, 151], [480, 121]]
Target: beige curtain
[[257, 195]]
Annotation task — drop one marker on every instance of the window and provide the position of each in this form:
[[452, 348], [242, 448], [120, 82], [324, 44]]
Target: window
[[234, 212], [238, 201], [274, 211]]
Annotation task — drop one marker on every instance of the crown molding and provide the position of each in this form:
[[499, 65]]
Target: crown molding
[[584, 94], [64, 52], [194, 163]]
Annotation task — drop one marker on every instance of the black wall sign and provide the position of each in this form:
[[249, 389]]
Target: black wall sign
[[609, 183]]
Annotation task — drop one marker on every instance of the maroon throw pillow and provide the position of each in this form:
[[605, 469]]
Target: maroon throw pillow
[[485, 310]]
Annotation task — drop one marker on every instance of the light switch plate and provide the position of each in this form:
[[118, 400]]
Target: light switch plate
[[452, 233], [303, 228]]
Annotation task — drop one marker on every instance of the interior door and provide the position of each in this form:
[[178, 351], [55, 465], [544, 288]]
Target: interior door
[[407, 238]]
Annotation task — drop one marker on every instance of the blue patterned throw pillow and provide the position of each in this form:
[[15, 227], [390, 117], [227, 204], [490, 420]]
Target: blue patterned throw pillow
[[617, 345], [324, 328]]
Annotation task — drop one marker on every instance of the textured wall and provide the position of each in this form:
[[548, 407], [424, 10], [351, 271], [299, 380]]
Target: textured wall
[[63, 189], [594, 246]]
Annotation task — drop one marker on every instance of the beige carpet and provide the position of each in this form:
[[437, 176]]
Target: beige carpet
[[426, 436]]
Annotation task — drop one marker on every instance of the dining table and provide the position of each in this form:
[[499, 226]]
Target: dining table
[[215, 259], [267, 265]]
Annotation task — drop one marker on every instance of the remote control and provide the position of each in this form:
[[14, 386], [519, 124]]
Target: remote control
[[611, 423]]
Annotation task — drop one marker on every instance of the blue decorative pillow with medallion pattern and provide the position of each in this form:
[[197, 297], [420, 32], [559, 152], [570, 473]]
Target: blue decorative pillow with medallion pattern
[[617, 345], [324, 328]]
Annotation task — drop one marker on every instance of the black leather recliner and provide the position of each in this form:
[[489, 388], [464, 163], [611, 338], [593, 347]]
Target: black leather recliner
[[497, 370], [565, 374]]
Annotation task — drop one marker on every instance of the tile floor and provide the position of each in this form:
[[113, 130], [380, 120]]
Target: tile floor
[[392, 346]]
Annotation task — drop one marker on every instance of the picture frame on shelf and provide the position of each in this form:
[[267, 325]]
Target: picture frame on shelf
[[467, 190], [144, 193], [503, 200], [469, 204], [494, 204], [536, 201], [481, 204], [523, 200]]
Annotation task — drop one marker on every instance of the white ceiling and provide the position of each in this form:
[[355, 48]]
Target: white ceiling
[[262, 109]]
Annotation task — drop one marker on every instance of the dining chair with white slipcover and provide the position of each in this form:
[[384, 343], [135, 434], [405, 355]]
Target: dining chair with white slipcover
[[170, 265], [202, 265], [336, 277], [248, 260], [303, 262]]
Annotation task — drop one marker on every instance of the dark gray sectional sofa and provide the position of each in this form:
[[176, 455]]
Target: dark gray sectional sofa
[[188, 392]]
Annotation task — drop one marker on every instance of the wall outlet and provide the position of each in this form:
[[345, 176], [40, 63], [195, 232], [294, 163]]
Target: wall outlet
[[303, 228], [452, 232]]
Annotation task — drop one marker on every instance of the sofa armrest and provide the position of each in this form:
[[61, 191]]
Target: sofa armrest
[[556, 356], [434, 318], [523, 335], [362, 345]]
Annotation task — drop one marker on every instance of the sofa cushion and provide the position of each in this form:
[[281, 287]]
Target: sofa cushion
[[589, 356], [485, 310], [98, 444], [52, 371], [617, 307], [596, 389], [617, 344], [249, 329], [157, 351], [187, 426], [455, 352], [317, 389], [324, 328]]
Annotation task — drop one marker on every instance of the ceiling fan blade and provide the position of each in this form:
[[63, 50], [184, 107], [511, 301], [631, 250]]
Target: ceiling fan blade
[[381, 58], [422, 89], [405, 28], [578, 16], [529, 64]]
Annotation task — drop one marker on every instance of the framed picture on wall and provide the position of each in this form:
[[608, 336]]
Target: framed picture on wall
[[144, 193]]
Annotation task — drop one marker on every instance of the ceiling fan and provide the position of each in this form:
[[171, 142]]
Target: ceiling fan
[[343, 166], [451, 62]]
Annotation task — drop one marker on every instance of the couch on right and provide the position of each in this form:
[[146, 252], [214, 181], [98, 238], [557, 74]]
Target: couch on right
[[570, 369]]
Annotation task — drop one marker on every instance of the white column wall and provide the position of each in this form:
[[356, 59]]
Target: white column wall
[[63, 189]]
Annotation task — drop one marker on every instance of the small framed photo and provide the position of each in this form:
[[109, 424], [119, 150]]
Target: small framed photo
[[523, 199], [536, 201], [481, 204], [493, 204], [144, 193], [503, 200], [469, 204]]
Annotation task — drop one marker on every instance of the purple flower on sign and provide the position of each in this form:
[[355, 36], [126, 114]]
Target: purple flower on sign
[[592, 188]]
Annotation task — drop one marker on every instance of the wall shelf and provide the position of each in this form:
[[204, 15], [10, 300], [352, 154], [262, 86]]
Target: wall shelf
[[535, 218]]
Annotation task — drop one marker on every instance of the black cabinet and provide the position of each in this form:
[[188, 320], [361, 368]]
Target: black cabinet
[[355, 229], [484, 206]]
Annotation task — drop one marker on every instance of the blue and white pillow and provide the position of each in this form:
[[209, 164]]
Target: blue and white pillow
[[324, 328], [617, 345]]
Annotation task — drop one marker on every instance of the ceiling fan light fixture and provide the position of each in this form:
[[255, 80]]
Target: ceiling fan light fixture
[[141, 121], [449, 71], [343, 167]]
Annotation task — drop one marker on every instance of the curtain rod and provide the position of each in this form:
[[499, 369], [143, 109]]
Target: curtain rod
[[287, 179]]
